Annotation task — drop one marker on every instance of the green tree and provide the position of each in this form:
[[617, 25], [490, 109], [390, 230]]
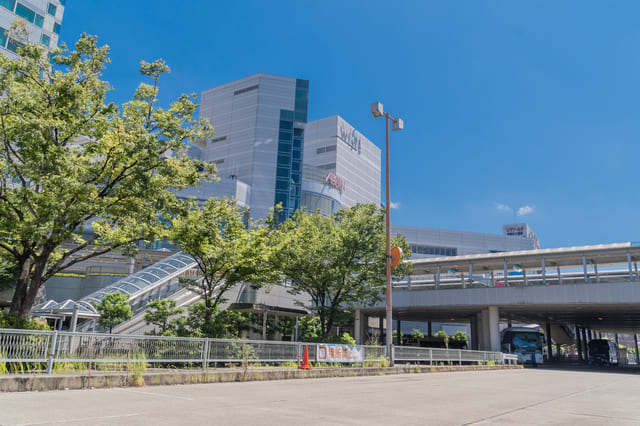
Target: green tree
[[417, 334], [228, 251], [461, 337], [339, 261], [444, 336], [159, 313], [114, 308], [76, 169]]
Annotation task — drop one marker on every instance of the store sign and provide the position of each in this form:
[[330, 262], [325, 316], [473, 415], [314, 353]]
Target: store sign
[[517, 230], [351, 137], [336, 181], [339, 353]]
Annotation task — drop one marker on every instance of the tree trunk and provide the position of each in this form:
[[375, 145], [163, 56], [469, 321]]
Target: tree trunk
[[29, 282], [22, 286]]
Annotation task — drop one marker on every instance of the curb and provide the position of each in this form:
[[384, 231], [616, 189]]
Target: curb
[[96, 380]]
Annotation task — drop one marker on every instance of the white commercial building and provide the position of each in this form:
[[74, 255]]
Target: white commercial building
[[341, 166], [428, 242], [43, 18]]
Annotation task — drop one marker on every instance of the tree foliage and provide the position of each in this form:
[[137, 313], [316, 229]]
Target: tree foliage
[[339, 261], [159, 313], [114, 308], [227, 249], [80, 176]]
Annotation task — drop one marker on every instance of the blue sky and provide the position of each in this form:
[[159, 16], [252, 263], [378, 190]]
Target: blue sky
[[507, 104]]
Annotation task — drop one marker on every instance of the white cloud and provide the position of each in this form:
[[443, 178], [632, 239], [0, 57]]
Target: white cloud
[[394, 205], [503, 207], [522, 211]]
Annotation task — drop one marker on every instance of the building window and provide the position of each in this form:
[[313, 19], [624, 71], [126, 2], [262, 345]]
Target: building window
[[14, 45], [434, 251], [220, 161], [51, 10], [220, 139], [56, 28], [8, 4], [326, 149], [62, 2], [245, 90], [45, 40], [3, 37], [29, 15]]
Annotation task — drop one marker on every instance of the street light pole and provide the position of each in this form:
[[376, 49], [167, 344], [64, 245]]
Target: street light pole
[[377, 111]]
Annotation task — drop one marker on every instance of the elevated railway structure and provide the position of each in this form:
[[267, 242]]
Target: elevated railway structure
[[592, 288]]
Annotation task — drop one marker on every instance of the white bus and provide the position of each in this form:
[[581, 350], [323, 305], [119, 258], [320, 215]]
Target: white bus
[[526, 342]]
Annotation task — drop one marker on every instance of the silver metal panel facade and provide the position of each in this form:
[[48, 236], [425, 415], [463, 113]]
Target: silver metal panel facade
[[246, 116], [464, 242], [334, 145]]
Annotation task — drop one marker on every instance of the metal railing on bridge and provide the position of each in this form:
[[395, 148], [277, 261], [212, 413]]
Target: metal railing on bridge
[[51, 347]]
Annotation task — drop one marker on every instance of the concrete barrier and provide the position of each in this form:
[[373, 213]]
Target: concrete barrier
[[92, 380]]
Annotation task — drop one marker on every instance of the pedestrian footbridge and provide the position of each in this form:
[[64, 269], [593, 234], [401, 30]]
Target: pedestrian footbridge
[[590, 287]]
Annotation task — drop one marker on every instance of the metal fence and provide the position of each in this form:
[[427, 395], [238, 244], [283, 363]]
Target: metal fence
[[50, 347], [451, 356]]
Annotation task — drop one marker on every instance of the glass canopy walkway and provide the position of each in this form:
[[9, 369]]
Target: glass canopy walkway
[[158, 281]]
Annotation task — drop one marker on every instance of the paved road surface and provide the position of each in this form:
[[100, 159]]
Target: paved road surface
[[527, 396]]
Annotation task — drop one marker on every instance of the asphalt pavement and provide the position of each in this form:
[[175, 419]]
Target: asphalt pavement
[[529, 396]]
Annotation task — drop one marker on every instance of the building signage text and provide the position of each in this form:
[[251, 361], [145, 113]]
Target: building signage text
[[351, 137], [339, 353], [336, 181]]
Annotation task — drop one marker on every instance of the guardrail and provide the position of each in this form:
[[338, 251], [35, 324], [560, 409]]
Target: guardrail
[[428, 282], [451, 356], [50, 347]]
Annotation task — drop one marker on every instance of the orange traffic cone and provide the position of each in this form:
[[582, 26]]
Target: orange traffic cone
[[305, 360]]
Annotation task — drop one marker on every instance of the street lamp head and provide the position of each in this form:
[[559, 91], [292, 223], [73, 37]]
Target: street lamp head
[[376, 109], [397, 124]]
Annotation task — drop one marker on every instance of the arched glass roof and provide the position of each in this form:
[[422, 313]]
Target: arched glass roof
[[148, 278]]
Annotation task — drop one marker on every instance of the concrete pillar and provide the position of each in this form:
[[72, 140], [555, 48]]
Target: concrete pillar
[[524, 276], [264, 325], [635, 340], [559, 276], [429, 329], [438, 278], [485, 343], [595, 269], [506, 274], [494, 328], [398, 333], [548, 336], [470, 275], [474, 333], [493, 279], [584, 269], [74, 319], [464, 284], [579, 342], [630, 268], [544, 273], [584, 344]]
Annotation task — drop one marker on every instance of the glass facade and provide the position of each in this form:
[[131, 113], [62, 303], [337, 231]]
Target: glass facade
[[45, 40], [8, 4], [435, 251], [290, 150], [51, 9]]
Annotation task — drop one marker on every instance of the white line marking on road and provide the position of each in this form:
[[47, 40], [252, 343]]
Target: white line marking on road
[[84, 419], [154, 394]]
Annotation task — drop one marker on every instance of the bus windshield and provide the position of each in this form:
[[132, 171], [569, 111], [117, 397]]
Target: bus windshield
[[523, 339]]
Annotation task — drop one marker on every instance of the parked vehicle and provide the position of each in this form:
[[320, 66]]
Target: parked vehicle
[[526, 342], [603, 352]]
